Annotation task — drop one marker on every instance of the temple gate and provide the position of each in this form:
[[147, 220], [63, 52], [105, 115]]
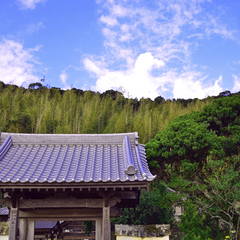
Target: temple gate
[[70, 177]]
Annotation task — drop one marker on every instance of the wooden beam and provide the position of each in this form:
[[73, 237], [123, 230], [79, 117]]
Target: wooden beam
[[70, 214], [69, 202], [60, 213], [65, 218], [66, 214]]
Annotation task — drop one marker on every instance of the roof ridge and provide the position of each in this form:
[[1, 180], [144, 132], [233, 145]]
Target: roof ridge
[[69, 139]]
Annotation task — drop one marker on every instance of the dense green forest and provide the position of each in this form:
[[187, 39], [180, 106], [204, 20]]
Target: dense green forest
[[39, 109], [192, 145]]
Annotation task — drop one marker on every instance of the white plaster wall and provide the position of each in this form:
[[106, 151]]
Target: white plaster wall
[[4, 237]]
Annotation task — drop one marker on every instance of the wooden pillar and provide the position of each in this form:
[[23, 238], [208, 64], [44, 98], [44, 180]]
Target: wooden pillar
[[23, 229], [13, 223], [106, 223], [98, 229], [30, 230]]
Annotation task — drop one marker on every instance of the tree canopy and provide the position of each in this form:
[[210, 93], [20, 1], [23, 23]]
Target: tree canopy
[[193, 137], [198, 156]]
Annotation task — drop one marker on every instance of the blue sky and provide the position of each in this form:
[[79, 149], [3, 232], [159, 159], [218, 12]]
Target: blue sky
[[172, 48]]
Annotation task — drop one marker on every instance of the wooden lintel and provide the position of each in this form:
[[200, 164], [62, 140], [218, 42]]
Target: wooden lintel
[[69, 202], [125, 195], [60, 213], [65, 218], [60, 203], [67, 214]]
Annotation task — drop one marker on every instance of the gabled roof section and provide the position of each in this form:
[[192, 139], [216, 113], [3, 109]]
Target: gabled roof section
[[72, 158]]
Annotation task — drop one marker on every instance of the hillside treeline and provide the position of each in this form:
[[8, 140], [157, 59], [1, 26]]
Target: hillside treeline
[[38, 109]]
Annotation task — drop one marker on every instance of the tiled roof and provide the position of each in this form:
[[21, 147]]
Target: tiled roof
[[58, 158], [45, 224], [4, 211]]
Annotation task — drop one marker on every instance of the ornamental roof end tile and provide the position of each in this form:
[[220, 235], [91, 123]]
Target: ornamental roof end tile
[[72, 158]]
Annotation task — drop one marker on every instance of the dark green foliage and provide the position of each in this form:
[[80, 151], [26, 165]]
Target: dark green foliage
[[198, 156], [89, 226], [113, 94], [214, 198], [153, 208], [224, 94], [20, 124], [159, 100], [193, 224], [35, 85], [192, 137]]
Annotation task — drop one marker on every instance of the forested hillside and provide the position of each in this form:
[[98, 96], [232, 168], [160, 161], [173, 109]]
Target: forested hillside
[[39, 109]]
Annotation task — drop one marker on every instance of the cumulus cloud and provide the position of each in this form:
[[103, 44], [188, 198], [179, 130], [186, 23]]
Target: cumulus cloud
[[17, 65], [31, 4], [139, 36], [236, 87], [190, 85], [138, 81]]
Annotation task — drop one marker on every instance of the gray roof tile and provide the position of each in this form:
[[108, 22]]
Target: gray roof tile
[[57, 158], [4, 211]]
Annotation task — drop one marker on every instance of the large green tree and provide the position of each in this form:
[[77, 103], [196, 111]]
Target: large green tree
[[193, 137], [198, 156]]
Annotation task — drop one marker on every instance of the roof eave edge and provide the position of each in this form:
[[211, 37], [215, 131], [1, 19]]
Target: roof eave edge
[[5, 146]]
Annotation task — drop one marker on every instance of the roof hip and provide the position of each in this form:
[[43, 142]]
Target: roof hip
[[5, 146]]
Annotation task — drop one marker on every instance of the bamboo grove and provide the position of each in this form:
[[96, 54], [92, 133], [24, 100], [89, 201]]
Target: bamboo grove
[[39, 109]]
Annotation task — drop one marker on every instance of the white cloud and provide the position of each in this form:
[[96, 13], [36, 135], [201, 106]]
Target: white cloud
[[108, 20], [35, 27], [92, 67], [63, 76], [138, 81], [139, 35], [150, 29], [190, 85], [68, 77], [25, 4], [17, 65], [236, 87]]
